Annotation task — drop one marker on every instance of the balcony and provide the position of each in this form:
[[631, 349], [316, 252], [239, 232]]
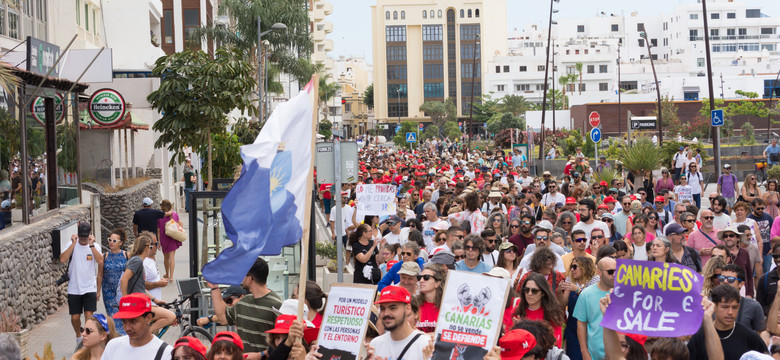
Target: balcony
[[328, 27], [327, 8]]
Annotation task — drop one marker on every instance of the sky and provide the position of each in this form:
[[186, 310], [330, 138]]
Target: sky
[[352, 18]]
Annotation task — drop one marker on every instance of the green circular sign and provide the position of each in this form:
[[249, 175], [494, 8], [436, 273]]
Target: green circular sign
[[38, 111], [107, 107]]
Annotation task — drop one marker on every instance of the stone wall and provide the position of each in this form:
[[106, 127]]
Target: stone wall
[[117, 209], [28, 269]]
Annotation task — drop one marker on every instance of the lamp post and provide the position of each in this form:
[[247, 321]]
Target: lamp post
[[261, 61], [473, 75], [546, 79], [643, 34]]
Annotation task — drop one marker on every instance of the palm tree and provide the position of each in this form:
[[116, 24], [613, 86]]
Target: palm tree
[[642, 158], [515, 105], [578, 66], [328, 89]]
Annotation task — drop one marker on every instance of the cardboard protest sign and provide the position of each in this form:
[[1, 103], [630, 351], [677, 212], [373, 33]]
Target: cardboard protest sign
[[470, 315], [375, 199], [344, 321], [655, 299]]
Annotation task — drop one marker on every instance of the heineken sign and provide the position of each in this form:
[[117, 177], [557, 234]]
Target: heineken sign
[[107, 107], [38, 110]]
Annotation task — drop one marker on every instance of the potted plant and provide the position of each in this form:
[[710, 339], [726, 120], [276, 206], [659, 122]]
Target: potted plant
[[10, 323], [641, 159]]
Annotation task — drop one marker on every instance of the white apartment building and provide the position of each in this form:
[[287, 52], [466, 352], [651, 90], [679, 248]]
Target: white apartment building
[[319, 28], [744, 41]]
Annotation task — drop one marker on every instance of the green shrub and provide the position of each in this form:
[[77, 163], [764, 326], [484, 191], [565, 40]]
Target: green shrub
[[773, 173], [325, 249]]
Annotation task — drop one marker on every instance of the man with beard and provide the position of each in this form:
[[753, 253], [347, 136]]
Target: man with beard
[[586, 209], [621, 218], [253, 315], [443, 182], [588, 311], [524, 238], [764, 222], [490, 256], [400, 340], [718, 205], [705, 238], [552, 196], [431, 221], [731, 236]]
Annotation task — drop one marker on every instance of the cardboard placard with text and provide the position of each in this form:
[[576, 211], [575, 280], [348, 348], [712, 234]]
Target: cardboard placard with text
[[344, 321]]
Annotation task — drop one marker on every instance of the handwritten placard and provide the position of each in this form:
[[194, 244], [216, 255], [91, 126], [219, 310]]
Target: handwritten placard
[[375, 199], [344, 321], [655, 299], [470, 316]]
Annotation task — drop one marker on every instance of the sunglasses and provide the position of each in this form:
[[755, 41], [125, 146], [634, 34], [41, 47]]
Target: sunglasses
[[426, 277], [689, 221], [760, 208], [497, 220], [542, 238], [153, 245], [732, 235], [610, 271], [728, 279], [776, 256], [406, 253], [86, 330], [526, 222], [652, 218], [514, 251], [459, 257], [659, 202], [712, 199], [531, 291], [580, 239], [708, 217], [492, 241], [514, 226], [597, 237], [566, 222], [573, 267], [114, 240], [469, 247]]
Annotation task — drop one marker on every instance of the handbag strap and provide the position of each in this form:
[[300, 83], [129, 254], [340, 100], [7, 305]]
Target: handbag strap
[[408, 345], [708, 238]]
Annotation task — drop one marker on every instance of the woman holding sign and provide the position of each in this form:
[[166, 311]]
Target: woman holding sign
[[365, 250], [537, 302]]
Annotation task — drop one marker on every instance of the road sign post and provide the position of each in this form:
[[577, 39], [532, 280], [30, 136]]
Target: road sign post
[[411, 137], [595, 136], [594, 119], [716, 117]]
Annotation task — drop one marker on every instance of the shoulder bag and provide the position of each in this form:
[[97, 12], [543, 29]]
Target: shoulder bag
[[175, 231]]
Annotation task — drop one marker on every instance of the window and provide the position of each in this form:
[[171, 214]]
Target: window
[[425, 14], [396, 72], [476, 12], [387, 15], [467, 67], [499, 87], [539, 87], [691, 95], [540, 68], [693, 34], [395, 15], [469, 31], [432, 32], [628, 85], [395, 33], [167, 26], [700, 62], [767, 31], [714, 16], [615, 28], [433, 90], [654, 42], [78, 12], [731, 32], [641, 42], [396, 53], [393, 91], [603, 69], [498, 69], [438, 14], [432, 52], [506, 68], [580, 28], [432, 14], [752, 13], [742, 31], [13, 24], [466, 85], [523, 69], [94, 24], [469, 51], [603, 86], [403, 15], [714, 32], [191, 22], [768, 89], [694, 16], [591, 69], [469, 13], [86, 17], [523, 87], [462, 13], [640, 27], [433, 71], [731, 15], [396, 109]]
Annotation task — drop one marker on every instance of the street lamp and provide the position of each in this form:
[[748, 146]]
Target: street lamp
[[398, 91], [261, 74], [473, 75], [715, 129], [643, 34], [546, 79]]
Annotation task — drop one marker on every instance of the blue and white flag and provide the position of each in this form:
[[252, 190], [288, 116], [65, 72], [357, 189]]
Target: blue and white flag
[[264, 210]]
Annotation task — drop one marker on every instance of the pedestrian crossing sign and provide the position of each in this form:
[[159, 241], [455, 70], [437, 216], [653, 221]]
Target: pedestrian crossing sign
[[411, 137]]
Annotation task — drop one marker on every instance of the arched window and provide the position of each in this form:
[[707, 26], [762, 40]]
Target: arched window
[[461, 13], [425, 14], [387, 15], [403, 15], [395, 15], [476, 12], [469, 12], [432, 14], [439, 14]]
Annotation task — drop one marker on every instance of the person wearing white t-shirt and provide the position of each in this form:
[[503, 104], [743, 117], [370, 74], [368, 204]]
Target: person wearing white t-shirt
[[154, 282], [587, 209], [397, 235], [431, 224], [553, 196], [85, 265], [394, 309], [135, 312]]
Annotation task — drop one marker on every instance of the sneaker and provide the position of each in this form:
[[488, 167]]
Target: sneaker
[[79, 344]]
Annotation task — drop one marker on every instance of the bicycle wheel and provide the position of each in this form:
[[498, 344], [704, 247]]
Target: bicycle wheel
[[200, 334], [171, 334]]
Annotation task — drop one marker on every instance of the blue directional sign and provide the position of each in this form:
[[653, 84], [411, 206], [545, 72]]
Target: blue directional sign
[[397, 128], [717, 117], [595, 135], [411, 137]]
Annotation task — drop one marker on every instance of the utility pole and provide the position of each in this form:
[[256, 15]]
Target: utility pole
[[620, 116], [643, 34], [471, 106], [546, 79], [552, 63], [722, 93], [715, 129]]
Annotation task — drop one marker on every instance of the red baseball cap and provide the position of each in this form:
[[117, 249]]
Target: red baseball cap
[[660, 198], [603, 206], [633, 197], [515, 344], [641, 339], [571, 200], [283, 324], [394, 294], [132, 306], [603, 183], [230, 337], [609, 199], [192, 343], [391, 263]]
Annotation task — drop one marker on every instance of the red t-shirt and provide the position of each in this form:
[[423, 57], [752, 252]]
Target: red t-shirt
[[538, 315], [429, 316], [317, 320], [326, 189]]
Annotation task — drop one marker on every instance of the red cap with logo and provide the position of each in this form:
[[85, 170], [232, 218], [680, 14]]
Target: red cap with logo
[[603, 183], [660, 198], [132, 306], [609, 199], [515, 344], [394, 294], [571, 200]]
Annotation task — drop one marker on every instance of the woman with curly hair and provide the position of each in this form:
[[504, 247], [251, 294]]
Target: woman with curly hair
[[538, 302], [543, 262], [566, 221], [710, 273], [497, 222]]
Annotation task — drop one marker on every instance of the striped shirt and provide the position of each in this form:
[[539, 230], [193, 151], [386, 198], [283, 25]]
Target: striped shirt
[[252, 318]]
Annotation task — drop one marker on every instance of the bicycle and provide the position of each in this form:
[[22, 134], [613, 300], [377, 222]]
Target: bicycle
[[760, 172], [171, 333]]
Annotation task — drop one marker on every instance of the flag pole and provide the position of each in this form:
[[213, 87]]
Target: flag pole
[[315, 81]]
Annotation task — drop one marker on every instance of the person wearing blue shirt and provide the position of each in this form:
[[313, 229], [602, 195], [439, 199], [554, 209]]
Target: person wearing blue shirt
[[770, 150], [409, 252], [474, 246]]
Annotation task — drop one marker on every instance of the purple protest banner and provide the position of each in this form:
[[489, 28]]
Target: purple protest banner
[[655, 299]]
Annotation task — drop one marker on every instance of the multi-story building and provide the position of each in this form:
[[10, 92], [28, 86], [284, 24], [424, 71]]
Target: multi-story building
[[319, 28], [354, 75], [173, 31], [744, 49], [432, 50]]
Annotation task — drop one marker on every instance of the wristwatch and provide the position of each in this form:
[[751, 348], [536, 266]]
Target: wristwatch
[[92, 246]]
